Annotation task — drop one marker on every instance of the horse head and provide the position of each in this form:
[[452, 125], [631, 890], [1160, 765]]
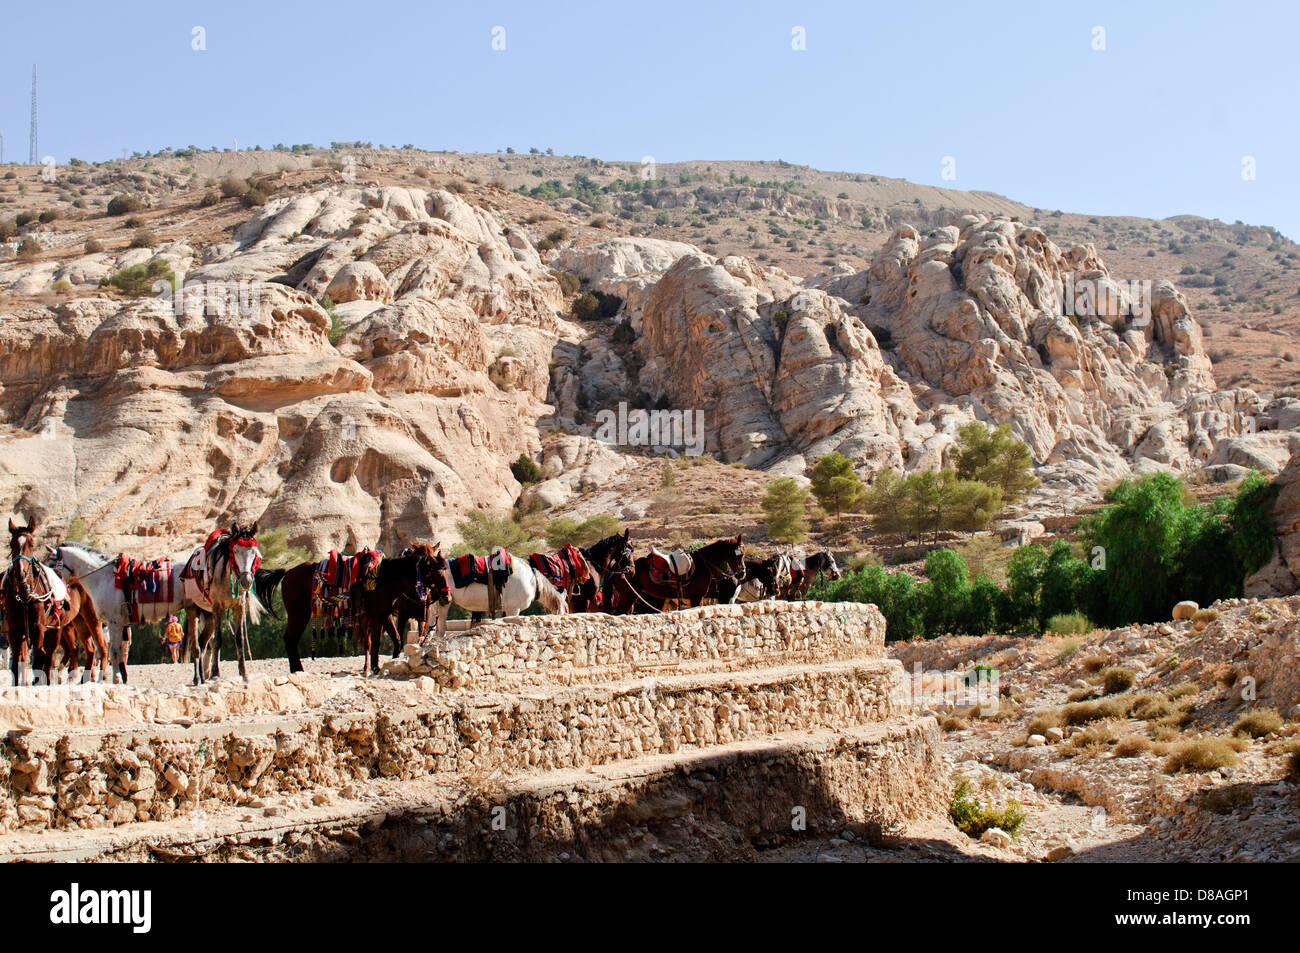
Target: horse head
[[245, 555], [21, 539], [430, 572], [613, 554], [829, 566]]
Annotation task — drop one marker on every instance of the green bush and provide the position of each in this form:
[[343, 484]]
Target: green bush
[[481, 532], [564, 531], [995, 457], [138, 280], [525, 470], [928, 502], [973, 818], [1073, 623]]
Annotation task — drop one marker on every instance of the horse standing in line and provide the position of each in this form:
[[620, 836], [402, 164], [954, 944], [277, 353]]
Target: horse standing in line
[[723, 558], [524, 586], [43, 613], [611, 556], [801, 580], [229, 564], [416, 578], [759, 582], [94, 570]]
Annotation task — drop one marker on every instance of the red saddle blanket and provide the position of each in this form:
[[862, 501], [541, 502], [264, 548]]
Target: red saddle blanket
[[662, 572], [564, 569], [144, 583], [470, 569]]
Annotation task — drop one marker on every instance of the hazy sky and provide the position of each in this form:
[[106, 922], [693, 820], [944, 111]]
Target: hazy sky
[[1157, 123]]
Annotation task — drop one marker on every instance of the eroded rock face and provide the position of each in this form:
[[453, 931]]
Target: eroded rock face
[[380, 423], [1281, 576]]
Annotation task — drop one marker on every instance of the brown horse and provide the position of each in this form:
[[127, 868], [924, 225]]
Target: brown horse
[[724, 558], [427, 585], [38, 620], [418, 577]]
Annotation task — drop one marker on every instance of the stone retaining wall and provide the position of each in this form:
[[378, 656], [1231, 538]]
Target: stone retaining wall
[[727, 803], [92, 780], [533, 650]]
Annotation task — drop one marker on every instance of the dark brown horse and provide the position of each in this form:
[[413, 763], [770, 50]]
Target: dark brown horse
[[607, 558], [759, 582], [408, 582], [724, 558], [38, 619]]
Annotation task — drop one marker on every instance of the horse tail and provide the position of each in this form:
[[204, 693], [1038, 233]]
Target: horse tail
[[552, 599], [255, 609], [268, 580]]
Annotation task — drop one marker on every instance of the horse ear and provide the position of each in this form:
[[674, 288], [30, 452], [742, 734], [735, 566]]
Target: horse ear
[[252, 530], [740, 537], [12, 527], [437, 549]]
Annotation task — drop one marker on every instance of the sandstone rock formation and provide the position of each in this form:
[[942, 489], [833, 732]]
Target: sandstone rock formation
[[243, 398], [1281, 575]]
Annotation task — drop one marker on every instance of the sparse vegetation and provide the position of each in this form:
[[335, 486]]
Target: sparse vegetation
[[1257, 723], [1201, 755], [973, 818]]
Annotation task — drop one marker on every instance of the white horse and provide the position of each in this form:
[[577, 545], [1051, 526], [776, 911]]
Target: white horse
[[227, 571], [524, 586], [95, 571]]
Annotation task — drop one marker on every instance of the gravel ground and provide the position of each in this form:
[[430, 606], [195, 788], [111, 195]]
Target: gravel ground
[[182, 673]]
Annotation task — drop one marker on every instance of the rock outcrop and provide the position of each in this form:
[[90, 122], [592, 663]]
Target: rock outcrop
[[1281, 575]]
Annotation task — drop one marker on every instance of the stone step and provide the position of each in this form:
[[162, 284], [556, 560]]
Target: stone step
[[729, 802], [122, 776]]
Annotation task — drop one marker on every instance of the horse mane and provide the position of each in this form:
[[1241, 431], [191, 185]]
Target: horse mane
[[550, 597], [84, 548], [428, 550]]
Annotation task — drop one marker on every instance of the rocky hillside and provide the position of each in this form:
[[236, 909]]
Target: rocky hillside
[[363, 346]]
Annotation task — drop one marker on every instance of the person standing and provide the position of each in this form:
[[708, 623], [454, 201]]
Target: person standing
[[118, 650], [173, 637]]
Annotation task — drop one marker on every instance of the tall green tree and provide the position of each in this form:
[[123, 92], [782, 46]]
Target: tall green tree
[[836, 485], [784, 506], [994, 456]]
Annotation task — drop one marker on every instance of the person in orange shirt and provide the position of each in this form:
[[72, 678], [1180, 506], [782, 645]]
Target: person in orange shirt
[[173, 637]]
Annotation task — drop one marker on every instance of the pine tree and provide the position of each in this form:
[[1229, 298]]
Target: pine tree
[[783, 505]]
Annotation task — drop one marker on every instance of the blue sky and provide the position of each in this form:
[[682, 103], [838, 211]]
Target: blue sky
[[1157, 123]]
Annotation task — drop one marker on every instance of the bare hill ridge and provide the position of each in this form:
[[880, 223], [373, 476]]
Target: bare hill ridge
[[368, 338]]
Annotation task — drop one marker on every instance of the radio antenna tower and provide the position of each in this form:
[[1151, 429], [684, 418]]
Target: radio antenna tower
[[32, 150]]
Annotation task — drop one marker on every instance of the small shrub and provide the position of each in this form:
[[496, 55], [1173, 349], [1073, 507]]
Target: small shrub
[[29, 248], [50, 215], [1205, 615], [973, 818], [1079, 694], [135, 221], [1094, 663], [952, 723], [93, 246], [1130, 746], [1257, 723], [1202, 755], [1089, 742], [138, 280], [1043, 720], [210, 198], [143, 238], [1117, 679], [124, 205], [1067, 650], [1072, 623], [232, 186], [61, 287], [525, 470]]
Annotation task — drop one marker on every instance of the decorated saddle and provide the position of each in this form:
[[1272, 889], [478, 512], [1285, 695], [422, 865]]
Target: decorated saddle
[[336, 575], [469, 569], [669, 569], [144, 583], [566, 570]]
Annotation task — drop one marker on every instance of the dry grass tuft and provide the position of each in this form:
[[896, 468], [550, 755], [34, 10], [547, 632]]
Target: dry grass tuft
[[1202, 755]]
